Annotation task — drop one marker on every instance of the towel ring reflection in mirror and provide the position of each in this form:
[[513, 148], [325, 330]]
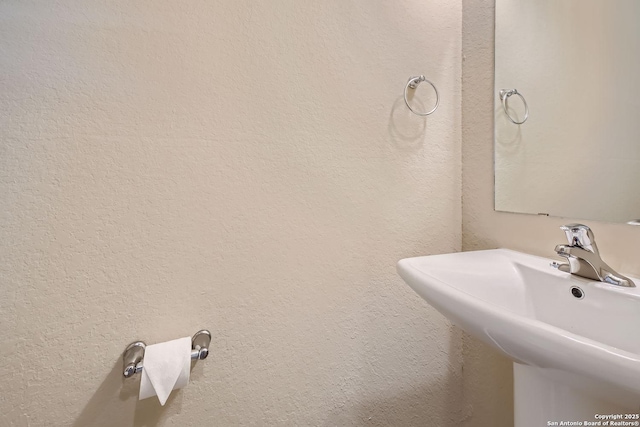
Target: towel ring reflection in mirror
[[413, 84], [504, 97]]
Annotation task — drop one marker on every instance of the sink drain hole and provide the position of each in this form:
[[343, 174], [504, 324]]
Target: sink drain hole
[[577, 292]]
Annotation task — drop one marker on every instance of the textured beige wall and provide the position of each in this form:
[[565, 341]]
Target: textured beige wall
[[243, 166], [484, 228]]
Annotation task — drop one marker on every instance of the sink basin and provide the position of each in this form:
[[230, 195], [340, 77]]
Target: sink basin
[[582, 344]]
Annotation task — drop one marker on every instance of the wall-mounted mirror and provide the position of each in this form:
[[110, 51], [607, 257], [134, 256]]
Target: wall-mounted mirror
[[577, 65]]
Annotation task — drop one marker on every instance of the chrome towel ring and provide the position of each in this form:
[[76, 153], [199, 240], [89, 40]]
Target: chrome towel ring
[[504, 97], [413, 84]]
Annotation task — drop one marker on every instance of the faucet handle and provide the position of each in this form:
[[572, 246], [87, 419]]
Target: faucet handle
[[581, 236]]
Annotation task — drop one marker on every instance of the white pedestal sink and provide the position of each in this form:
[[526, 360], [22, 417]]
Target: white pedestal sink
[[575, 359]]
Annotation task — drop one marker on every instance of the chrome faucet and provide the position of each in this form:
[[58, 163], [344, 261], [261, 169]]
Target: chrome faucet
[[584, 258]]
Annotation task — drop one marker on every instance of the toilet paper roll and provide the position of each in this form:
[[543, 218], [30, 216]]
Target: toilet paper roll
[[166, 368]]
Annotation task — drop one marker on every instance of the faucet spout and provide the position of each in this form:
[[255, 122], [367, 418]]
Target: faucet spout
[[589, 265], [584, 259]]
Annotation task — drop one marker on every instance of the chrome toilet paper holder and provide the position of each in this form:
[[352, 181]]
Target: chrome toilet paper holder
[[133, 356]]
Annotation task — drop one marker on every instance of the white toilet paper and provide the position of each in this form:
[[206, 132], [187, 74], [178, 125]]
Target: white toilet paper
[[166, 368]]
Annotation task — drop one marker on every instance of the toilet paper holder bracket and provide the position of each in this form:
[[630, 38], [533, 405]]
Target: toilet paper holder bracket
[[133, 356]]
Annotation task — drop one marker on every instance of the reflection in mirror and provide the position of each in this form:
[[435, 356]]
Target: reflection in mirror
[[576, 62]]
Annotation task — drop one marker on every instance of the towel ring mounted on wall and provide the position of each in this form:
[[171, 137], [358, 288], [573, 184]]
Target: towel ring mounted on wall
[[504, 97], [413, 84]]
